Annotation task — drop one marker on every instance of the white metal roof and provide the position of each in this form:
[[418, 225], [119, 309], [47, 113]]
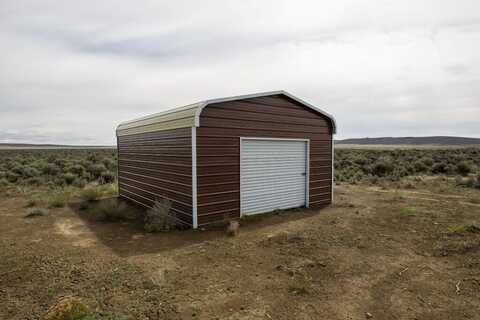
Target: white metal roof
[[189, 115]]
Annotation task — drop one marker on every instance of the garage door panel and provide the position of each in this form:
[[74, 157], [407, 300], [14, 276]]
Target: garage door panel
[[273, 174]]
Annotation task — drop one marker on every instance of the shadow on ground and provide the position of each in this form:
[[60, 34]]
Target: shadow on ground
[[127, 237]]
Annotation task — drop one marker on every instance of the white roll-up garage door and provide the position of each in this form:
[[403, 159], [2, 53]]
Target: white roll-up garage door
[[273, 174]]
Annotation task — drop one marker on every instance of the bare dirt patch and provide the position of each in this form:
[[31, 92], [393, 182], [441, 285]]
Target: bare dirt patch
[[386, 254]]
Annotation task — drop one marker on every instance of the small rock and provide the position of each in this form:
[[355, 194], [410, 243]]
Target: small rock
[[232, 229], [368, 315]]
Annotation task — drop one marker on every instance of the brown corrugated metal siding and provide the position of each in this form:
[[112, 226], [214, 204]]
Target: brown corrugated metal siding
[[157, 165], [218, 149]]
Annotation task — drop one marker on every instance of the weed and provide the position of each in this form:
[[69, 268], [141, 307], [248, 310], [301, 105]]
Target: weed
[[160, 217], [111, 210], [408, 211], [459, 229], [90, 194], [58, 200], [68, 308]]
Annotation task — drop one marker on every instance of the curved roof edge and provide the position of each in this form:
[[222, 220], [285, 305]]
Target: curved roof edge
[[264, 94], [189, 115]]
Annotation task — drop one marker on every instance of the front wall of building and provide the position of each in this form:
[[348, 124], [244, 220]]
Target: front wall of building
[[218, 150]]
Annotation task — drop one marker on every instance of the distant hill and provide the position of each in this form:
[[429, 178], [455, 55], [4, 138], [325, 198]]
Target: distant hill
[[434, 140], [48, 146]]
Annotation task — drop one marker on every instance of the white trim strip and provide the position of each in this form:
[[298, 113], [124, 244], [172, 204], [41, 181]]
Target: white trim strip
[[194, 178], [333, 166], [307, 178]]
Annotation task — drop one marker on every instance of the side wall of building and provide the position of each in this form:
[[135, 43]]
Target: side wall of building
[[157, 165], [218, 150]]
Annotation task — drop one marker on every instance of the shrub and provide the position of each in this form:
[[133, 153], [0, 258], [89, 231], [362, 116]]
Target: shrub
[[90, 194], [12, 177], [79, 183], [419, 166], [111, 210], [382, 168], [428, 162], [97, 169], [69, 178], [463, 168], [50, 169], [58, 200], [77, 169], [107, 177], [439, 167], [68, 308], [34, 181], [17, 169], [3, 182], [30, 172], [160, 217]]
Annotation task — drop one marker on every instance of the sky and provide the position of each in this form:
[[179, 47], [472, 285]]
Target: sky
[[71, 71]]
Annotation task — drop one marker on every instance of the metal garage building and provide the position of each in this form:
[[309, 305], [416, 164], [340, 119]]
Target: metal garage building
[[224, 158]]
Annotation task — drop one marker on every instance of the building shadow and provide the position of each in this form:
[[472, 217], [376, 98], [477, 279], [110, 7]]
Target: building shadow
[[126, 236]]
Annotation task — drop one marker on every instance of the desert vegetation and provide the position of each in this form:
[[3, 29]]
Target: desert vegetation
[[57, 168], [360, 166]]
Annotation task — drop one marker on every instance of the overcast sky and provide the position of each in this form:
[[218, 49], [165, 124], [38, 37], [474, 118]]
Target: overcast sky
[[70, 71]]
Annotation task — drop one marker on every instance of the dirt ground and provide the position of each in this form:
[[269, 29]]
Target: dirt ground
[[383, 254]]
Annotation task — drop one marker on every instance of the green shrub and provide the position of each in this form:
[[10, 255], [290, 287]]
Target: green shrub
[[96, 170], [107, 177], [111, 210], [34, 181], [18, 169], [77, 169], [428, 162], [57, 200], [69, 178], [3, 182], [420, 166], [79, 183], [69, 308], [439, 167], [12, 177], [50, 169], [382, 168], [90, 194], [30, 172], [160, 217], [463, 168]]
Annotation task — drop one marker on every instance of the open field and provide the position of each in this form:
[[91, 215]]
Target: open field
[[394, 246], [396, 254]]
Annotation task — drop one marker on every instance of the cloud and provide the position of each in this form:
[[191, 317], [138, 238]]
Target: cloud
[[73, 71]]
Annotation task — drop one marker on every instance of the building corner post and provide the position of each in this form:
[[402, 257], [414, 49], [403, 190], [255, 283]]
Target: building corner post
[[333, 167], [194, 178]]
